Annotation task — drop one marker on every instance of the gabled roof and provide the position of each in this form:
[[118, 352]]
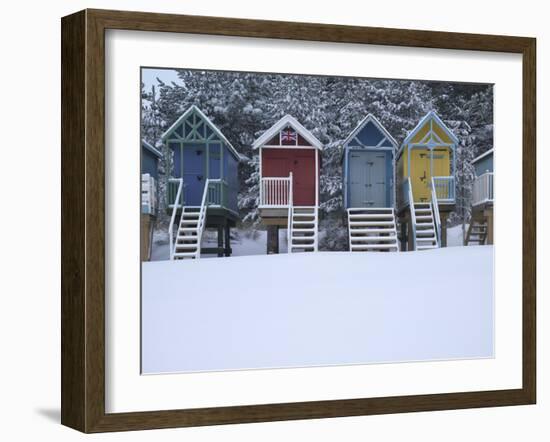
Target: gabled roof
[[430, 115], [287, 120], [372, 119], [212, 126], [483, 155], [151, 149]]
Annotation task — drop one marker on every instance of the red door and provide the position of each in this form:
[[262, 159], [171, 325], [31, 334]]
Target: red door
[[301, 162], [303, 174]]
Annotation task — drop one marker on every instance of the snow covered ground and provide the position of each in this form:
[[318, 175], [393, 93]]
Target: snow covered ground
[[455, 236], [328, 308]]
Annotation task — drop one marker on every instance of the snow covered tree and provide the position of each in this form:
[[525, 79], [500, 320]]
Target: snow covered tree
[[243, 105]]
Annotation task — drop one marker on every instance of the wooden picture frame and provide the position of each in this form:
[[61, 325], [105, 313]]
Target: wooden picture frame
[[83, 220]]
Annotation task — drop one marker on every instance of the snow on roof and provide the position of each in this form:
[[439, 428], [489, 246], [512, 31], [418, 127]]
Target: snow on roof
[[483, 155], [208, 121], [376, 122], [287, 120], [151, 149], [430, 115]]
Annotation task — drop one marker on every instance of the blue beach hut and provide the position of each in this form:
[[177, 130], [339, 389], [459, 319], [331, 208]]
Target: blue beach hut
[[202, 190], [368, 163]]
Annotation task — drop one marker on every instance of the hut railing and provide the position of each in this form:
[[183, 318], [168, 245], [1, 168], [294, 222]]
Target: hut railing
[[148, 194], [290, 214], [175, 205], [444, 187], [202, 213], [275, 191], [436, 215], [482, 191], [217, 191], [172, 191], [409, 199]]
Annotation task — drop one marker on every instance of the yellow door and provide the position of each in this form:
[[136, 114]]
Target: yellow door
[[420, 174]]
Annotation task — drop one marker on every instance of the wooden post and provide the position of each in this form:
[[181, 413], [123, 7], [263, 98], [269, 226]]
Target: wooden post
[[220, 241], [404, 234], [146, 236], [227, 240], [444, 216], [272, 239], [490, 225], [410, 235]]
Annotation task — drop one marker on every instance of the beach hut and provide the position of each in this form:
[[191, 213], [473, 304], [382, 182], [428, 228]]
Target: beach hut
[[368, 164], [150, 157], [480, 230], [426, 183], [202, 190], [289, 184]]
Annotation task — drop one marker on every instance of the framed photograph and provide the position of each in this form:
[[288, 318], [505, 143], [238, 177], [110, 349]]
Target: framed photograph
[[269, 220]]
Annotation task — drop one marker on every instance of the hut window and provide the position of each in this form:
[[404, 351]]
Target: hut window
[[288, 137], [302, 141], [274, 141], [188, 129], [179, 130], [201, 130]]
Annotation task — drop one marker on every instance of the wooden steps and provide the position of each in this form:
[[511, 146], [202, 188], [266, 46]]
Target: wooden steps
[[187, 243], [303, 229], [477, 233], [372, 230], [424, 226]]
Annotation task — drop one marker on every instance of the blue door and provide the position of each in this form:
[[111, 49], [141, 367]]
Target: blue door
[[194, 173], [368, 179]]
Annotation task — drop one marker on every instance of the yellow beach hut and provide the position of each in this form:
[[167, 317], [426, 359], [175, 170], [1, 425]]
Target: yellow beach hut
[[426, 183]]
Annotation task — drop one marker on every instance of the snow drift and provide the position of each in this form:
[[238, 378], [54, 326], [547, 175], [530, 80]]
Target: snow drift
[[328, 308]]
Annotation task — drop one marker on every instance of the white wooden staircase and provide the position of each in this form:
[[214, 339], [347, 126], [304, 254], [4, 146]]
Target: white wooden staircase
[[188, 236], [425, 233], [187, 242], [372, 230], [303, 229]]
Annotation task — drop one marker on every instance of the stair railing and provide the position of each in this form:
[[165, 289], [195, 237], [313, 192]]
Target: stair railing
[[408, 186], [437, 217], [290, 214], [316, 229], [202, 213], [174, 210], [395, 224]]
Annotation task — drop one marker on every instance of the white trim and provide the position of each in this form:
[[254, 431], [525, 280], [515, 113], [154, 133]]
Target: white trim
[[151, 149], [377, 123], [316, 178], [483, 155], [287, 120], [260, 173], [430, 115], [210, 123]]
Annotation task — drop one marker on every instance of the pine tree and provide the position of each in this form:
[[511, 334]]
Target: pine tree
[[244, 105]]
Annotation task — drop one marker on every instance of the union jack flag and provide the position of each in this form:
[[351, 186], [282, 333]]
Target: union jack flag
[[288, 136]]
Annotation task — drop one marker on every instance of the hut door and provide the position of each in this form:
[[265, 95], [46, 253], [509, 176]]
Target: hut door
[[368, 179], [376, 163], [194, 170], [420, 175], [303, 174]]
